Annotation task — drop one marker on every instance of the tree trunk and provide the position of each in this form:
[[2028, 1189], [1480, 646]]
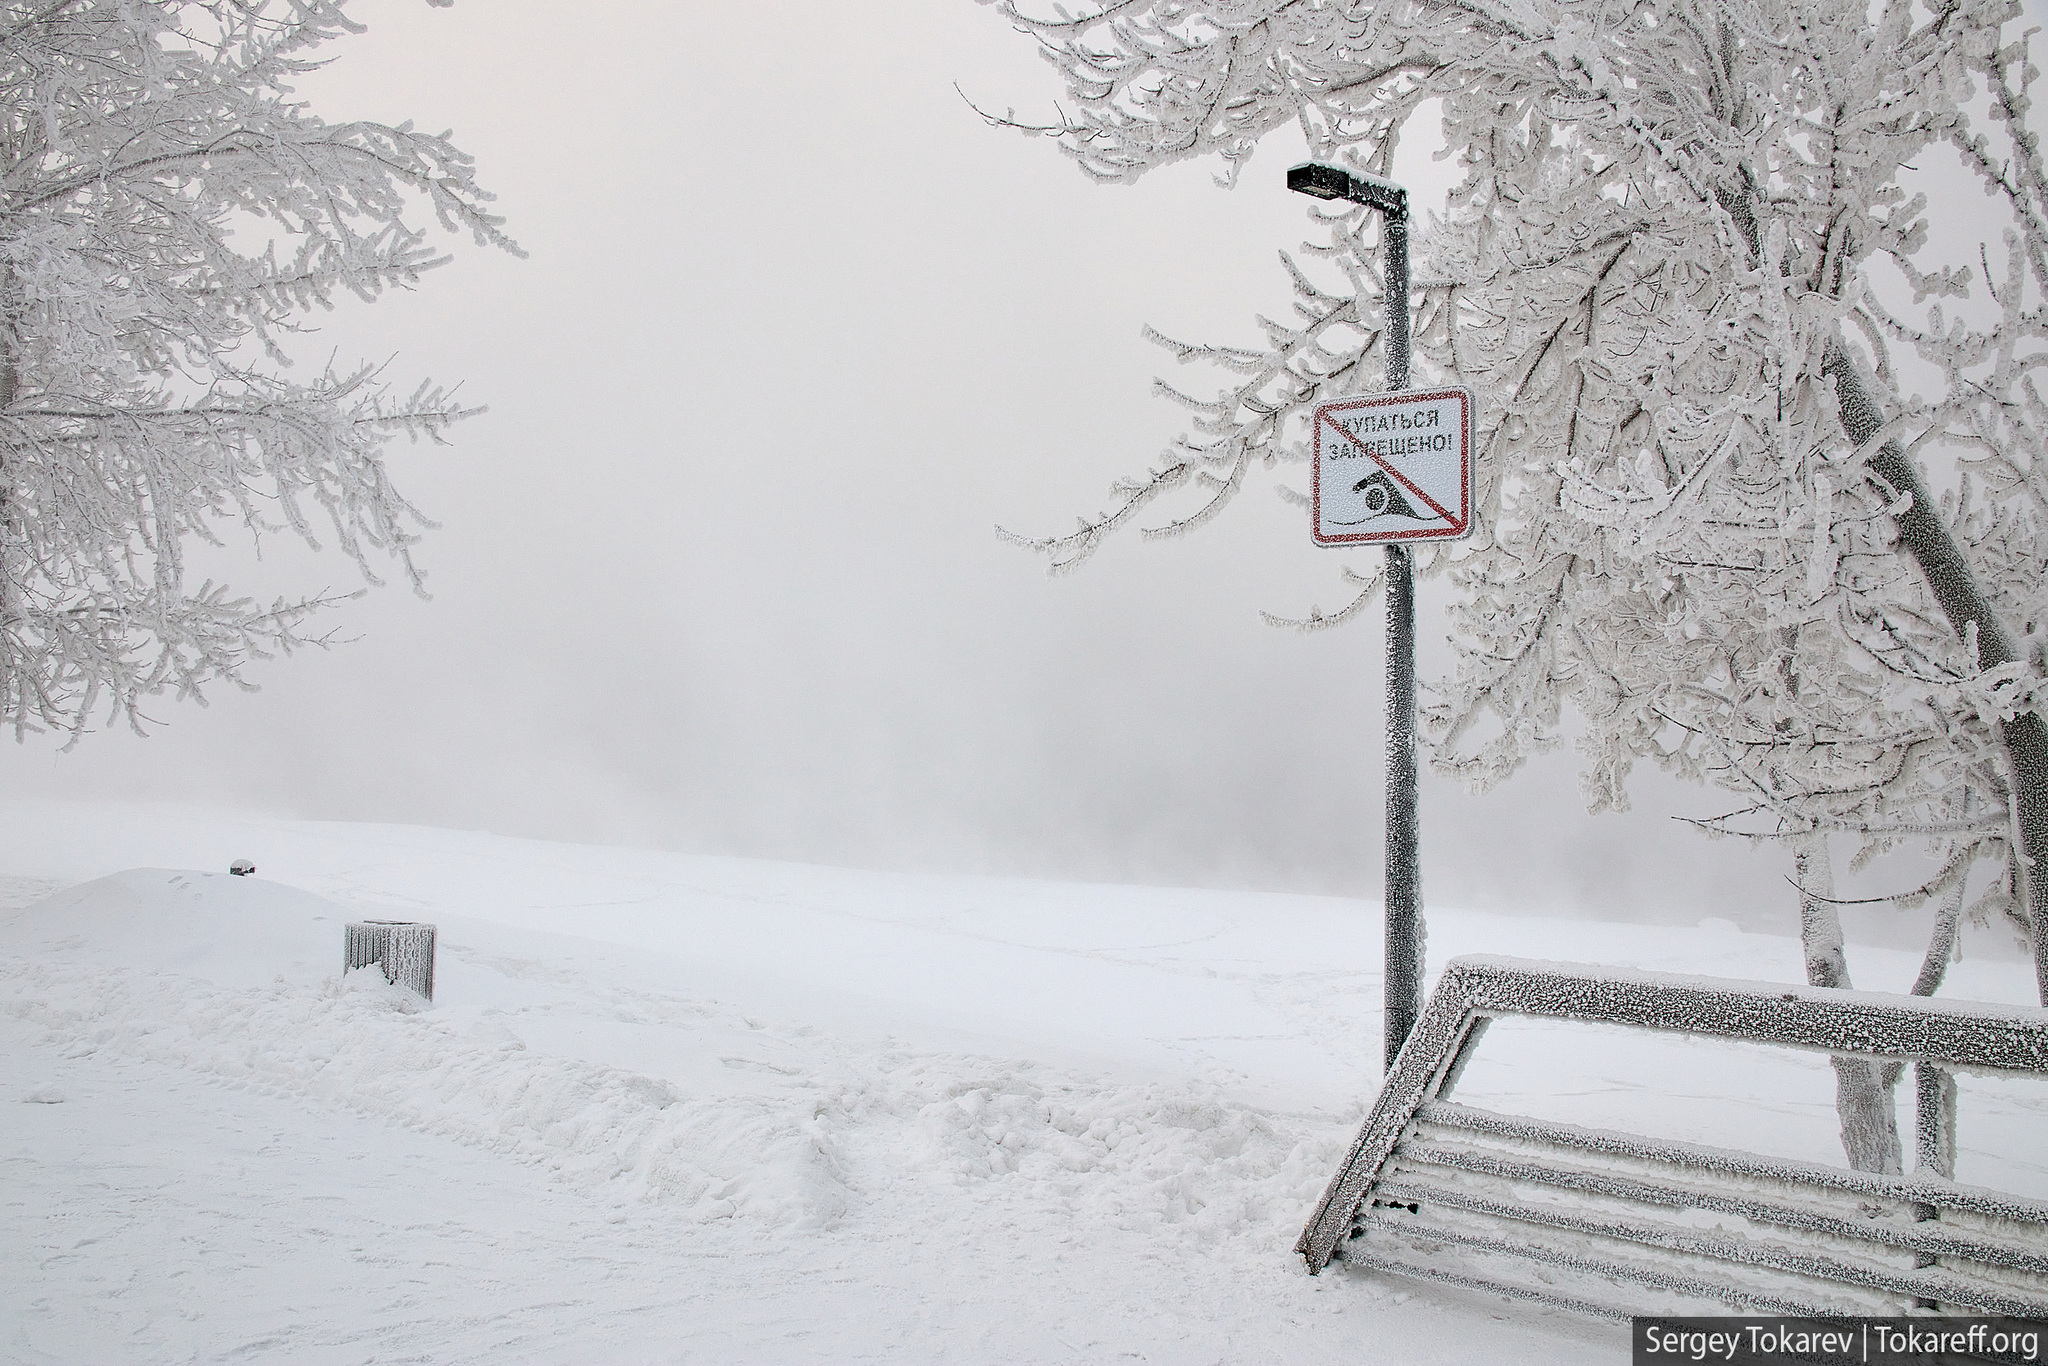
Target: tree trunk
[[1863, 1099], [1926, 538], [11, 627]]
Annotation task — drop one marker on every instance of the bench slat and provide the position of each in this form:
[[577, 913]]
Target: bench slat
[[1724, 1161], [1930, 1284], [1929, 1237]]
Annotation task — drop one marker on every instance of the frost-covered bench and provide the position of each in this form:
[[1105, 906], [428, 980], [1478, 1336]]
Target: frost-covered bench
[[1614, 1224]]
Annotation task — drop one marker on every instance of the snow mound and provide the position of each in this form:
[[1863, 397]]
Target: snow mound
[[231, 931], [1162, 1153], [242, 983]]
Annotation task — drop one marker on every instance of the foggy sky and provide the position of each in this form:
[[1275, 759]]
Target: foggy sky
[[718, 569]]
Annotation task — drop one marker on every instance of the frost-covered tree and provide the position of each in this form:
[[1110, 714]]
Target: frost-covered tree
[[167, 209], [1751, 503]]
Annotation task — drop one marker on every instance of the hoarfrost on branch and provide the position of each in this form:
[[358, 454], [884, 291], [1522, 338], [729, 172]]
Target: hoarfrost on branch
[[166, 210], [1760, 490]]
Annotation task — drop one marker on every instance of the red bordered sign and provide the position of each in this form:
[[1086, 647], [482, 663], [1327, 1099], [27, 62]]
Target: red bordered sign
[[1394, 467]]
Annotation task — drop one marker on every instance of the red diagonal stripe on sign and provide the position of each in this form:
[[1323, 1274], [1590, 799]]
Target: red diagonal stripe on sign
[[1434, 506]]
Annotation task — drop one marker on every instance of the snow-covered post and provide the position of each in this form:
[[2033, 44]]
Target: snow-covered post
[[1404, 928], [1404, 931]]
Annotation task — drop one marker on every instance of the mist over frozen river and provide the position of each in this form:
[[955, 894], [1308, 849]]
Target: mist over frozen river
[[718, 571]]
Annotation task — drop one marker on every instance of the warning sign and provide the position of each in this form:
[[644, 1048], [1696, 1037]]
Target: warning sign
[[1394, 467]]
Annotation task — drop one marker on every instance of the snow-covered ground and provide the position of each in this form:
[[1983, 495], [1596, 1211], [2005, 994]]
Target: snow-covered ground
[[682, 1108]]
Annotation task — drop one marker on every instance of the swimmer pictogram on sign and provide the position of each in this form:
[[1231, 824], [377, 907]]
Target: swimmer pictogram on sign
[[1393, 467]]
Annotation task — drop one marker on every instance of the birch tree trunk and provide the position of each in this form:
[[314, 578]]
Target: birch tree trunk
[[1863, 1099], [1926, 538]]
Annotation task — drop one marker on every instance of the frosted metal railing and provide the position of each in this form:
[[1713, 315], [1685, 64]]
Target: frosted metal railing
[[1614, 1224]]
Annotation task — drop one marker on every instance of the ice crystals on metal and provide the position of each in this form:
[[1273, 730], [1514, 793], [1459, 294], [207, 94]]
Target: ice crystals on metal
[[1615, 1224], [1393, 467]]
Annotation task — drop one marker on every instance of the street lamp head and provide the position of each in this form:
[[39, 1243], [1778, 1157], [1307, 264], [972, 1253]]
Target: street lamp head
[[1334, 182], [1324, 182]]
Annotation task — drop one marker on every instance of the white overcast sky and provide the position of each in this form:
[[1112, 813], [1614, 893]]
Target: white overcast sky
[[718, 568]]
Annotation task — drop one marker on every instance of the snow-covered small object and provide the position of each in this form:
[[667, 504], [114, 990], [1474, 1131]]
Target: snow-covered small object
[[402, 948], [242, 867], [44, 1095]]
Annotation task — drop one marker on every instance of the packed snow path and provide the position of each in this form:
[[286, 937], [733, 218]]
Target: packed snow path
[[681, 1109]]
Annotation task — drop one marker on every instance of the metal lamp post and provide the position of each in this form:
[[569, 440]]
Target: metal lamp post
[[1404, 930]]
